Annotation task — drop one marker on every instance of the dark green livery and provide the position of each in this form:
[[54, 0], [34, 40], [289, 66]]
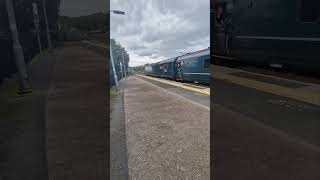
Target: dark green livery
[[168, 68], [191, 67], [278, 33], [194, 67]]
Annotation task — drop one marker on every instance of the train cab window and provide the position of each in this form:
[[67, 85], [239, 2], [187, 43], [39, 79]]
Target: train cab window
[[206, 63], [177, 64], [211, 5], [310, 10], [165, 68], [229, 7]]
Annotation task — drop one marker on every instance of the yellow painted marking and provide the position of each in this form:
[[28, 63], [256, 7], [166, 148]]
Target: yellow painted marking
[[38, 56], [298, 94], [205, 91]]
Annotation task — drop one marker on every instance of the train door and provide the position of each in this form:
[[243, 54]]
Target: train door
[[160, 70], [205, 73], [179, 75], [173, 69], [206, 64], [223, 27], [165, 70]]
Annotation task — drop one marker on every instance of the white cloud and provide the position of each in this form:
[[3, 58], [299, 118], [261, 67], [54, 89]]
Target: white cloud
[[154, 30]]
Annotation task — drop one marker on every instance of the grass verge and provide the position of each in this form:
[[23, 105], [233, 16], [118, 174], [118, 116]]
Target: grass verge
[[113, 91]]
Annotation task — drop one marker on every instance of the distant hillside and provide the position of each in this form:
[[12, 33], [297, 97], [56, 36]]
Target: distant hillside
[[137, 68], [93, 22]]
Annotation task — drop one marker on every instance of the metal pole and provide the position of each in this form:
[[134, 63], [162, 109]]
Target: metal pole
[[39, 42], [17, 50], [36, 24], [113, 68], [121, 69], [47, 24], [124, 65]]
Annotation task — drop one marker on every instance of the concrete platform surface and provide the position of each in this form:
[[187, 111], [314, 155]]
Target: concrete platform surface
[[167, 134], [298, 90], [118, 145], [246, 149], [76, 117]]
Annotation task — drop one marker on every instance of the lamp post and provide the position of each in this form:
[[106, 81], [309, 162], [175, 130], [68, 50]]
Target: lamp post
[[111, 54], [36, 24], [17, 50], [118, 12], [47, 24]]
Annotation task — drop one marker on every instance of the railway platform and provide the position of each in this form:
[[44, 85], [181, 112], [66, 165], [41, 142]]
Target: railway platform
[[59, 131], [167, 134], [298, 90], [264, 127], [188, 86]]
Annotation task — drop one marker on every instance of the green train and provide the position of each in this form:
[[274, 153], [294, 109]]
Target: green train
[[284, 34], [191, 67]]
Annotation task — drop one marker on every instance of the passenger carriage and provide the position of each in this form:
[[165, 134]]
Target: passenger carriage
[[282, 33], [194, 67]]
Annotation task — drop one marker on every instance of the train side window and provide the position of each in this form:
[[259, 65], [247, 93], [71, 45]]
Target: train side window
[[229, 7], [206, 63], [219, 13], [310, 10]]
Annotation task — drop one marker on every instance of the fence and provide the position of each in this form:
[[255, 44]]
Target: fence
[[119, 76], [27, 38]]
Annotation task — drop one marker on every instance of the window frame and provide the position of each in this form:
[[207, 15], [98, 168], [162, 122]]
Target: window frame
[[204, 63], [300, 14]]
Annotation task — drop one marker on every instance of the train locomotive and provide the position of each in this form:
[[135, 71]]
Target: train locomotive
[[283, 34], [191, 67]]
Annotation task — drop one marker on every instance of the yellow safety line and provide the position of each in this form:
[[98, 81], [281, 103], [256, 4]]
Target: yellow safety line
[[202, 91], [297, 94]]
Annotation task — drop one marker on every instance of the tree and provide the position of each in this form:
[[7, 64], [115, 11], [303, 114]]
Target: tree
[[92, 22]]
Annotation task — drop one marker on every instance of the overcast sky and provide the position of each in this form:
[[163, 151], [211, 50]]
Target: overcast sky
[[154, 30], [74, 8]]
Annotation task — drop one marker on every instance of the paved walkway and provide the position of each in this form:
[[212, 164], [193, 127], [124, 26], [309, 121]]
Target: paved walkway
[[118, 144], [22, 124], [248, 149], [260, 130], [167, 134], [76, 116], [60, 130]]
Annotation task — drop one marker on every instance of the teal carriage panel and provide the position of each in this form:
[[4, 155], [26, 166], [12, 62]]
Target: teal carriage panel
[[194, 67]]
